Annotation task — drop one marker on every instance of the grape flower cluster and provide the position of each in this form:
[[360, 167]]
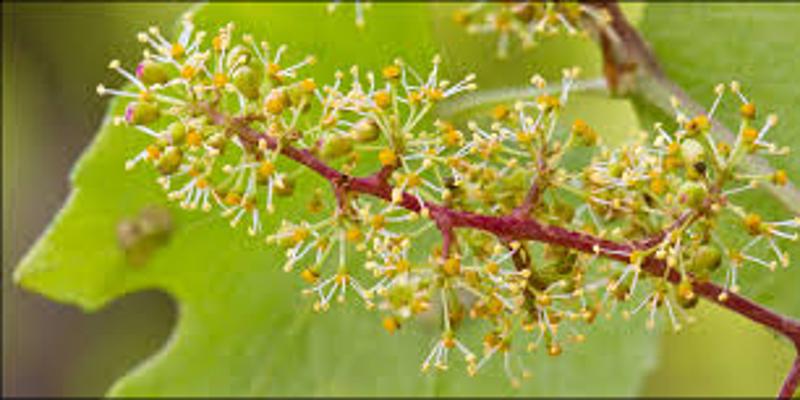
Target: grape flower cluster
[[222, 111], [528, 21]]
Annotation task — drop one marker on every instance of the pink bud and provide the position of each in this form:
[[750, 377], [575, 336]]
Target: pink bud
[[140, 70]]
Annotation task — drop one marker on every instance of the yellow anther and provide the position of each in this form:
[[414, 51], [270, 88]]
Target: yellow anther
[[749, 135], [391, 72], [353, 234], [387, 157], [500, 112], [753, 224], [748, 111], [452, 266], [300, 234], [391, 324], [216, 43], [177, 50], [378, 221], [220, 80], [193, 138], [492, 268], [266, 168], [309, 276], [382, 99], [188, 72], [276, 102], [232, 199], [153, 152], [308, 85], [780, 178]]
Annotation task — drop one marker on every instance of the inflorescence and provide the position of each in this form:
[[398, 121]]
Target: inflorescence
[[222, 111], [528, 21]]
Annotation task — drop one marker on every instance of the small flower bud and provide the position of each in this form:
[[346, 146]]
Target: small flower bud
[[176, 132], [151, 72], [218, 141], [141, 113], [276, 102], [693, 194], [365, 130], [170, 161], [706, 259], [336, 146], [248, 81]]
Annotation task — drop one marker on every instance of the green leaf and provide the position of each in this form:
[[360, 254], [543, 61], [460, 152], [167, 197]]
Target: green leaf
[[700, 45], [244, 328]]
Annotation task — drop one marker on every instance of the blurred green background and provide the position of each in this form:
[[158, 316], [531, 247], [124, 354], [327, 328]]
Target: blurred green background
[[53, 57]]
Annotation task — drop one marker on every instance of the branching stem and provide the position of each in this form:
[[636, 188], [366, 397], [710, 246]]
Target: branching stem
[[521, 228]]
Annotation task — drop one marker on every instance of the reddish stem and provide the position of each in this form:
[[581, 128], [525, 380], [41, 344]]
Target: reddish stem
[[448, 236], [791, 382]]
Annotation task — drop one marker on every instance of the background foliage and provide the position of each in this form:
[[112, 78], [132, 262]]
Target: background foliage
[[242, 327]]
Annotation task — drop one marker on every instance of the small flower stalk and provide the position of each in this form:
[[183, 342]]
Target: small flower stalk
[[481, 225]]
